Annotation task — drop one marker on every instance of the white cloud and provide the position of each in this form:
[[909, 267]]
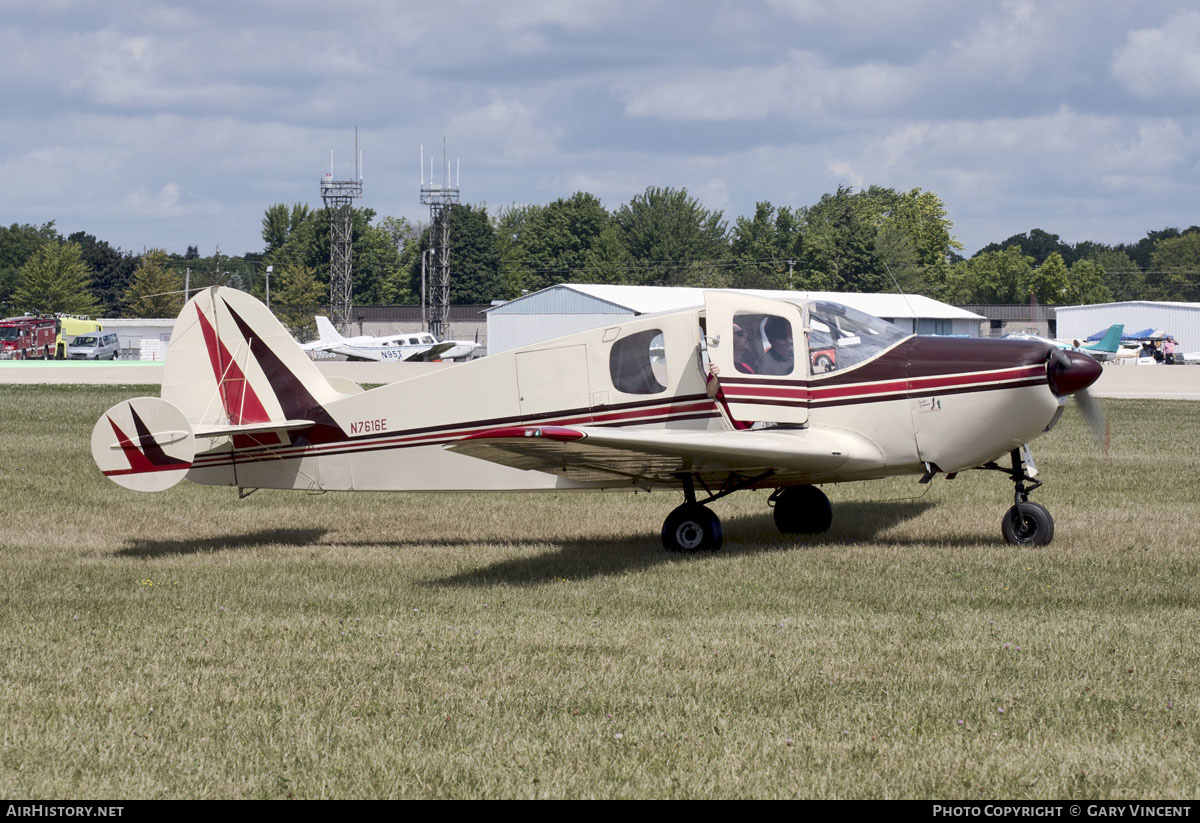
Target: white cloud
[[1161, 62], [503, 131], [802, 85]]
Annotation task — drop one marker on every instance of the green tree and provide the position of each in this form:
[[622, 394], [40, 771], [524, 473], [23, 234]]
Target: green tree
[[840, 251], [1119, 273], [395, 287], [766, 248], [556, 240], [510, 224], [56, 279], [379, 261], [156, 290], [608, 260], [1174, 272], [296, 297], [280, 224], [1035, 243], [112, 270], [1048, 282], [1085, 285], [990, 277], [672, 240], [17, 245], [922, 216], [474, 257]]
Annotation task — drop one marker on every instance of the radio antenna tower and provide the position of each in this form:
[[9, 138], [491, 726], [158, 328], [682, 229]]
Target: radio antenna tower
[[435, 261], [339, 199]]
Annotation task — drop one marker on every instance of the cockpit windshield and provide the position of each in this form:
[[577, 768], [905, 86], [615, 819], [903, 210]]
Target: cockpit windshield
[[841, 336]]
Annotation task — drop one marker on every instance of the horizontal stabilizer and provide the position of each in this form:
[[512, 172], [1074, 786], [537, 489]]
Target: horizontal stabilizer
[[252, 428], [144, 444]]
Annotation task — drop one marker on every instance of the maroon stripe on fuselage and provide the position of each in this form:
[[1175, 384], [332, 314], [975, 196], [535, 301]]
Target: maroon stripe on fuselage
[[915, 367]]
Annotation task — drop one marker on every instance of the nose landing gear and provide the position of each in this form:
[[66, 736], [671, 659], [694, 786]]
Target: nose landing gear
[[1026, 523]]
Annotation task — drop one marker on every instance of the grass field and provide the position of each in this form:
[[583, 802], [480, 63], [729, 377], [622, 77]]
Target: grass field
[[190, 644]]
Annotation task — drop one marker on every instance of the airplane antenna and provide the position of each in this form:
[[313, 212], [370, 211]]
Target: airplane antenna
[[900, 291]]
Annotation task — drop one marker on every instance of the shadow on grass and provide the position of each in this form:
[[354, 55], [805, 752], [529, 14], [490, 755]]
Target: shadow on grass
[[744, 535], [150, 547]]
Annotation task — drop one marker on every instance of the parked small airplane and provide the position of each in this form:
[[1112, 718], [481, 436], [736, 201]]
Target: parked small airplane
[[411, 347], [1104, 349], [632, 406]]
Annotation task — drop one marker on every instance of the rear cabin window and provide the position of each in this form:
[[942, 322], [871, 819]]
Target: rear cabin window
[[637, 363]]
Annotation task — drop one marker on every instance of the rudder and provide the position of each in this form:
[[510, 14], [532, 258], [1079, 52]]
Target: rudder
[[231, 362]]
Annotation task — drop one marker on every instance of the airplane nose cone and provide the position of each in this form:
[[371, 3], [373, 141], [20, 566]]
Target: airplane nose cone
[[1072, 371]]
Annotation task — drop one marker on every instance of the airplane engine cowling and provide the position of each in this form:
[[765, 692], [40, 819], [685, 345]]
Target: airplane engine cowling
[[1072, 371]]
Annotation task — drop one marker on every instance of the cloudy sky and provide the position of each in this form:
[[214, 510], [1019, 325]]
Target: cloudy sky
[[165, 125]]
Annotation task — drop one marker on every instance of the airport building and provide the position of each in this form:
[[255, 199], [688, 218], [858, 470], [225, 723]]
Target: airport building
[[1181, 320], [568, 308]]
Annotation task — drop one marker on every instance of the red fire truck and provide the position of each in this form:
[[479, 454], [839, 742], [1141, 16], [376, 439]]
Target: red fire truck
[[28, 338]]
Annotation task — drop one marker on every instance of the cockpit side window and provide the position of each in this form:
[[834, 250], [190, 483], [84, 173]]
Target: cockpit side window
[[839, 336], [637, 363]]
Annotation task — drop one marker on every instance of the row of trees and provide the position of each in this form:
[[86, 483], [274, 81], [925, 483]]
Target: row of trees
[[875, 239]]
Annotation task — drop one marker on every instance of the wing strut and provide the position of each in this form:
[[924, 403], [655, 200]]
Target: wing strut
[[733, 482]]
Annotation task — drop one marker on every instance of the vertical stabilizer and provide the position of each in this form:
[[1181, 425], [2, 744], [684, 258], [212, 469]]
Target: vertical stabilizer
[[1111, 340], [230, 362], [326, 331]]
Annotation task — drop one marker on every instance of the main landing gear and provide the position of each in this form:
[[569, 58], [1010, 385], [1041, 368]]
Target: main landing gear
[[1026, 523], [693, 527]]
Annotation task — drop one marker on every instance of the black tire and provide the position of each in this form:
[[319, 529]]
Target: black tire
[[692, 528], [823, 364], [1028, 524], [802, 510]]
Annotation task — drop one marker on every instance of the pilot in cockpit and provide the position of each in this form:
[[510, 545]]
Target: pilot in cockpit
[[780, 358]]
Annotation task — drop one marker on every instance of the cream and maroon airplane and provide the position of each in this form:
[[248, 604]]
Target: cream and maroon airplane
[[624, 407]]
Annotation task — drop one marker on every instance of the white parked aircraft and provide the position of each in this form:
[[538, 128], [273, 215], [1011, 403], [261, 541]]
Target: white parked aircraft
[[637, 405], [413, 346]]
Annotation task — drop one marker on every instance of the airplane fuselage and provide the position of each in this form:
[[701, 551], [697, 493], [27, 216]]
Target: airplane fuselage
[[951, 403]]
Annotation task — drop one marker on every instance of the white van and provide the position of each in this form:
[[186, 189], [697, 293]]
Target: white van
[[94, 346]]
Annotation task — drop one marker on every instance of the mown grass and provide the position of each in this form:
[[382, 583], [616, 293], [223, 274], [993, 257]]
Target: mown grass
[[190, 644]]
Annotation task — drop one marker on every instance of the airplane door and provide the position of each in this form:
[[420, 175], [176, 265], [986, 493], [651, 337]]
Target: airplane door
[[553, 380], [759, 346]]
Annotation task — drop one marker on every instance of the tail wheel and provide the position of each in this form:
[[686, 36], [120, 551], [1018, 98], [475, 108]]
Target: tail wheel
[[802, 510], [1028, 524], [692, 528]]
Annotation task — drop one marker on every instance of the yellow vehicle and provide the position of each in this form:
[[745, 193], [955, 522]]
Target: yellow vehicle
[[71, 325]]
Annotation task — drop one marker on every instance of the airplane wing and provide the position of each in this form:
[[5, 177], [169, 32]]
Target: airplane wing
[[656, 456], [432, 353]]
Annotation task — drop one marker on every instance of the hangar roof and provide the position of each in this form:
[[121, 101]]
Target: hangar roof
[[574, 298], [1167, 304]]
